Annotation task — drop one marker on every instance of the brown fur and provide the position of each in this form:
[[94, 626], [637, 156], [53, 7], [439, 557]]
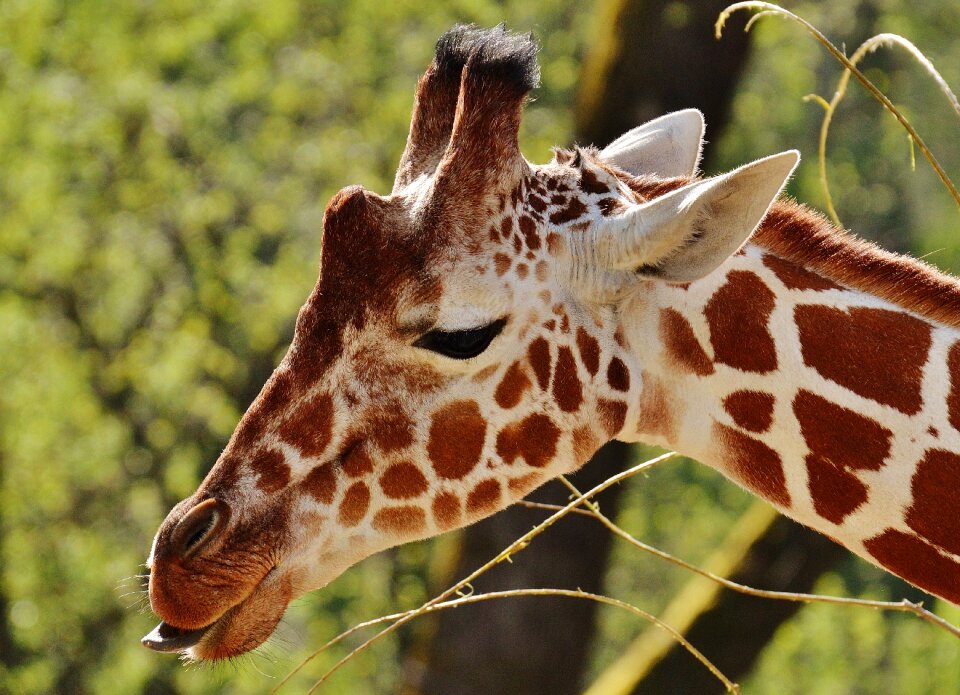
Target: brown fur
[[876, 353], [806, 238], [751, 410], [738, 314]]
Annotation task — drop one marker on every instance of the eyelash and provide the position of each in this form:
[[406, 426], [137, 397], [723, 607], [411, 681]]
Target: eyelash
[[461, 345]]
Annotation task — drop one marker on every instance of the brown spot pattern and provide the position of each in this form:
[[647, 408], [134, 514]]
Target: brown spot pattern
[[618, 376], [457, 432], [511, 388], [590, 183], [589, 350], [520, 485], [534, 439], [738, 313], [585, 443], [843, 436], [539, 355], [567, 389], [917, 562], [876, 353], [354, 505], [501, 264], [612, 414], [935, 511], [400, 520], [321, 483], [529, 230], [682, 345], [836, 492], [310, 426], [483, 498], [751, 410], [403, 481], [655, 416], [753, 463], [446, 510], [272, 471], [573, 210], [840, 441], [393, 433], [358, 462], [953, 400], [796, 277]]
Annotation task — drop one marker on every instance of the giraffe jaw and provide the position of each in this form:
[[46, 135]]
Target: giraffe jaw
[[242, 628]]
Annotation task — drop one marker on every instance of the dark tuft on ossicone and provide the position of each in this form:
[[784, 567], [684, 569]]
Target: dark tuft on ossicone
[[498, 53]]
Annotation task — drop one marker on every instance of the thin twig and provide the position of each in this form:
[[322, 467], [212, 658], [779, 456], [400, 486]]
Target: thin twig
[[768, 8], [503, 555], [903, 606], [868, 46]]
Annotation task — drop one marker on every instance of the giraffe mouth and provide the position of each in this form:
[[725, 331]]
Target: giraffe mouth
[[167, 638], [239, 629]]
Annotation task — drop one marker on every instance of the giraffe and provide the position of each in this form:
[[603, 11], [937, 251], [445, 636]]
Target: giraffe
[[491, 323]]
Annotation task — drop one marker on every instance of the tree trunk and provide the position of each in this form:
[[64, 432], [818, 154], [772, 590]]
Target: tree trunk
[[646, 61]]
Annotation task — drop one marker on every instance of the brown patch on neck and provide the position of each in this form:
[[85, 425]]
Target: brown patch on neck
[[567, 389], [840, 441], [751, 410], [681, 344], [876, 353], [843, 436], [585, 443], [618, 376], [738, 313], [953, 400], [589, 350], [655, 415], [754, 464], [936, 500], [918, 562], [354, 505], [613, 414]]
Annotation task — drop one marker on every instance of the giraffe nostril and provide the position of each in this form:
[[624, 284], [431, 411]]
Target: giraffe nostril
[[198, 527]]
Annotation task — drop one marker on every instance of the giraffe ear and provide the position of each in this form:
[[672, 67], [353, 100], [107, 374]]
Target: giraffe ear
[[683, 235], [669, 146]]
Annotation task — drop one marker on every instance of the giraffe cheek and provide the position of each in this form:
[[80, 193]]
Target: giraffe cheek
[[457, 433]]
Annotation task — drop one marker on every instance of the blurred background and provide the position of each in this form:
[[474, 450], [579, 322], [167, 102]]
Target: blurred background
[[165, 171]]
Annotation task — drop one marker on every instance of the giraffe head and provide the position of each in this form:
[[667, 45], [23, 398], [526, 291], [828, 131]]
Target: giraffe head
[[461, 345]]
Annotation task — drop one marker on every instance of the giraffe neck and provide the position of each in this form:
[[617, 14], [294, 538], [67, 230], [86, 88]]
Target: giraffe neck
[[837, 405]]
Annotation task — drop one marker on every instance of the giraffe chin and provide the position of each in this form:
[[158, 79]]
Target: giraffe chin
[[240, 629]]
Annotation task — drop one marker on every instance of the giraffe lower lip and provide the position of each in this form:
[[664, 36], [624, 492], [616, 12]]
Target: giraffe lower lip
[[166, 638]]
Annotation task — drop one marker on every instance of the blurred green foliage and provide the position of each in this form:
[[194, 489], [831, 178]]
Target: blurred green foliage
[[166, 168]]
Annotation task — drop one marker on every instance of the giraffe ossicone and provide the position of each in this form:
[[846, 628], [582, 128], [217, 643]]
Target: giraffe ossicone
[[490, 323]]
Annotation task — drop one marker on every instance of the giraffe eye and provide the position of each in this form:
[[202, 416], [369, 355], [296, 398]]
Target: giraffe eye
[[461, 345]]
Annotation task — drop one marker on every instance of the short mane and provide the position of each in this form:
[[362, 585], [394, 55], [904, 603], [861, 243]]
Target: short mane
[[798, 234]]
